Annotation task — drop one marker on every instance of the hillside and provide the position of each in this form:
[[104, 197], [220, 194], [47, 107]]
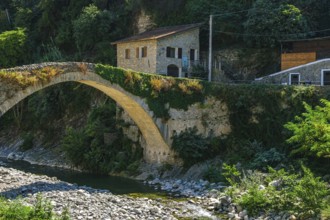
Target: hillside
[[61, 30]]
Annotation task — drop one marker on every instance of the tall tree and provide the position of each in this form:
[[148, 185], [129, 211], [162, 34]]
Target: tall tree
[[270, 21], [12, 48]]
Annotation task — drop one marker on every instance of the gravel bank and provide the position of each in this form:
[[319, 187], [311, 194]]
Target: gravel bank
[[88, 203]]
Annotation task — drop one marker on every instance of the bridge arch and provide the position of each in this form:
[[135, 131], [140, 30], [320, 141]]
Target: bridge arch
[[156, 150]]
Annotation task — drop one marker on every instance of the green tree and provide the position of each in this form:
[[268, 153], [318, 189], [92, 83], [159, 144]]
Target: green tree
[[84, 28], [311, 130], [270, 21], [12, 48]]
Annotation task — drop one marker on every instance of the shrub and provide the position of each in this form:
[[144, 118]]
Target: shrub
[[231, 174], [12, 48], [86, 147], [266, 158], [131, 78], [191, 147], [27, 142], [161, 84], [311, 130], [26, 79], [281, 191], [213, 174], [255, 200], [41, 210], [191, 86], [198, 71], [156, 84], [195, 86]]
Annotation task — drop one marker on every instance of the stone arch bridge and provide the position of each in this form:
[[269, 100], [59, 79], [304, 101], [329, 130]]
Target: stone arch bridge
[[18, 83]]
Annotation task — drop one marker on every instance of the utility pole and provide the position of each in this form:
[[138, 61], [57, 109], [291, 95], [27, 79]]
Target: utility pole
[[8, 17], [210, 49]]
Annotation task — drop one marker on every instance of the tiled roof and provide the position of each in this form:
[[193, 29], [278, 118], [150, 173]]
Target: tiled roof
[[159, 33]]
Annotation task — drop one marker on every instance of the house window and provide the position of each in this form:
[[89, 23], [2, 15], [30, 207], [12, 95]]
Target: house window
[[192, 54], [137, 52], [180, 53], [170, 52], [325, 77], [294, 79], [144, 51], [127, 54]]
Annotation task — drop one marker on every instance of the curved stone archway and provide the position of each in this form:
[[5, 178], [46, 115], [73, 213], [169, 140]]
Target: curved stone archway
[[173, 70], [156, 151]]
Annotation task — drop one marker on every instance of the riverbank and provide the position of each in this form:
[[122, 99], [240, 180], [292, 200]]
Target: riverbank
[[88, 203]]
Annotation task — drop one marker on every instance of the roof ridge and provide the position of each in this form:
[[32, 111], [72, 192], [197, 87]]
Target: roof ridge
[[158, 33]]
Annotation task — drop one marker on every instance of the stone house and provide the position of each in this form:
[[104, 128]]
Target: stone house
[[168, 51], [304, 61], [314, 73]]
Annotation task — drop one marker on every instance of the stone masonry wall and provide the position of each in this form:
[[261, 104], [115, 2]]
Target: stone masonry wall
[[309, 73], [187, 40], [211, 118], [140, 64]]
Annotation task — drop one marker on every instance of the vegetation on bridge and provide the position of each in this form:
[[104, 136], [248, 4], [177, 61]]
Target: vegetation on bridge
[[160, 92], [24, 79]]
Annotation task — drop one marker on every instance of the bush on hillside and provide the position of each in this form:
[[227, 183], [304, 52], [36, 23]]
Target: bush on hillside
[[280, 190], [12, 48], [311, 130]]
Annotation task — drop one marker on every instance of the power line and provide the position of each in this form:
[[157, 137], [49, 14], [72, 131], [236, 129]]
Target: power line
[[271, 35], [229, 13]]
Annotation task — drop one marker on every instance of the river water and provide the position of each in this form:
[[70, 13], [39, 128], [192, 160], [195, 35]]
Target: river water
[[115, 184]]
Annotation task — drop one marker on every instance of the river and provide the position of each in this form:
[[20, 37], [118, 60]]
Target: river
[[115, 184]]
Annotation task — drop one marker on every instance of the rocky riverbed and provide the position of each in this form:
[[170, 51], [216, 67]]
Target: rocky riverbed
[[87, 203]]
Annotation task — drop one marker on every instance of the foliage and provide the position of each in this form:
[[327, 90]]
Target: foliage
[[230, 173], [255, 200], [190, 87], [311, 130], [266, 158], [161, 84], [213, 173], [274, 21], [86, 147], [256, 112], [27, 142], [280, 190], [82, 26], [42, 210], [192, 147], [12, 48], [199, 72], [177, 93], [28, 78], [51, 53]]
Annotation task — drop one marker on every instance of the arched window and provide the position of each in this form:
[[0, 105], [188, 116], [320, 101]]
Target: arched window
[[173, 70]]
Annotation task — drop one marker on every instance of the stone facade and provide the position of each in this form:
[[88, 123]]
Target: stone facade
[[156, 60], [311, 73], [138, 63], [187, 40]]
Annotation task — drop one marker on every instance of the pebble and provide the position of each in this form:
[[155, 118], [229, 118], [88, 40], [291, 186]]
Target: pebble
[[88, 203]]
